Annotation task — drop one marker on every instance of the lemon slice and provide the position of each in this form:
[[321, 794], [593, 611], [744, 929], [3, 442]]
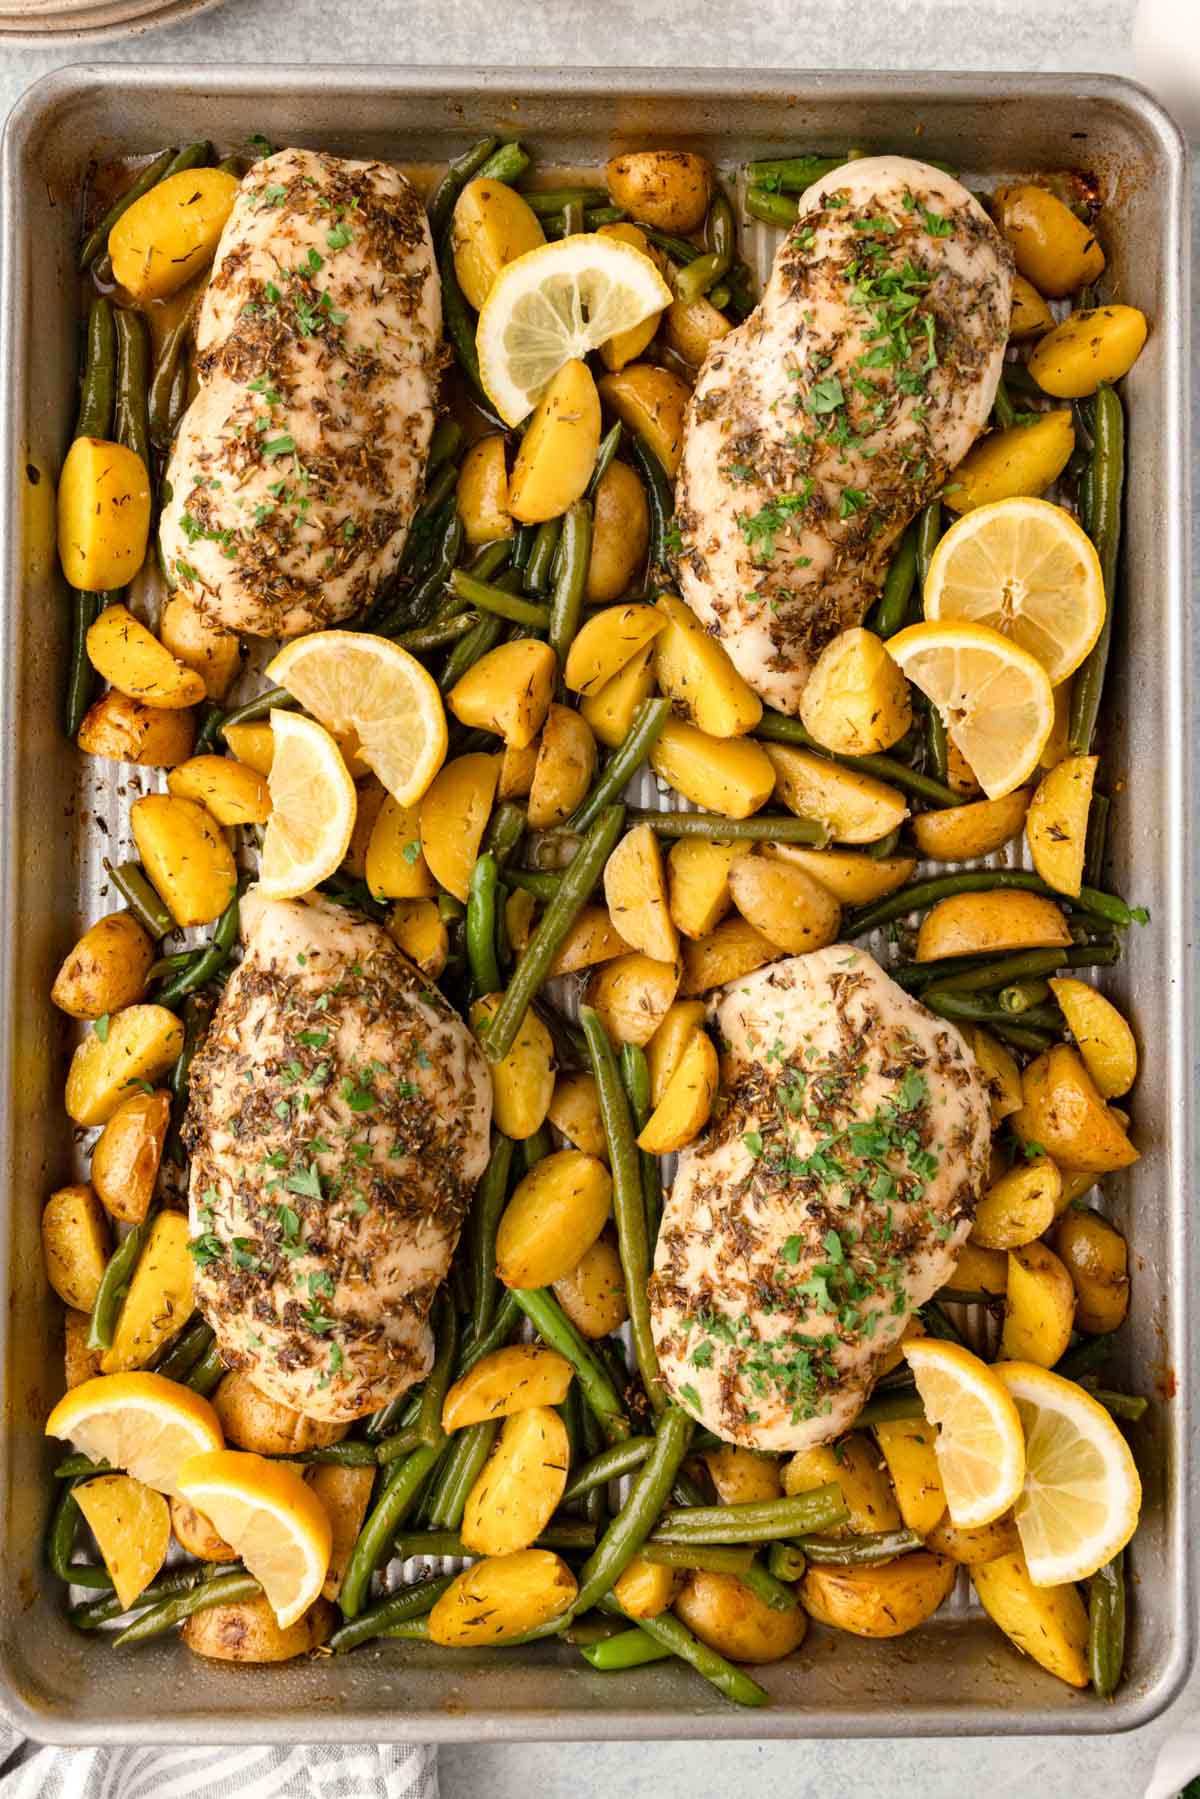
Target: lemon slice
[[144, 1424], [1025, 568], [1080, 1501], [556, 303], [994, 697], [313, 807], [277, 1525], [980, 1449], [376, 699]]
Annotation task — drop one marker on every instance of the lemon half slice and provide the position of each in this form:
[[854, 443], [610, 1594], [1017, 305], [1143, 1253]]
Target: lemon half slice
[[278, 1526], [980, 1449]]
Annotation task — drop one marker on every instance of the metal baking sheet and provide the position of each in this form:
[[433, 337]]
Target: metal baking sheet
[[957, 1675]]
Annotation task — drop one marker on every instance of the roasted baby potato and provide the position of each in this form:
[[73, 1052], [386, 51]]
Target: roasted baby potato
[[253, 744], [853, 879], [394, 865], [592, 938], [684, 1109], [691, 327], [631, 994], [620, 532], [132, 1527], [508, 691], [1030, 313], [1048, 1623], [558, 451], [733, 949], [1096, 1258], [502, 1597], [556, 1213], [729, 775], [1099, 344], [1001, 1075], [482, 492], [611, 709], [232, 792], [138, 1046], [1056, 825], [973, 924], [650, 401], [962, 833], [103, 515], [507, 1381], [1024, 459], [606, 642], [169, 234], [127, 1154], [345, 1494], [665, 1049], [742, 1475], [520, 1485], [693, 670], [492, 226], [855, 808], [106, 970], [973, 1545], [185, 856], [76, 1244], [453, 815], [979, 1270], [248, 1632], [1039, 1308], [562, 774], [669, 189], [635, 886], [1064, 1113], [523, 1080], [124, 730], [735, 1622], [79, 1362], [416, 927], [516, 770], [1102, 1035], [252, 1420], [646, 1589], [160, 1298], [1018, 1207], [698, 883], [784, 903], [856, 1466], [132, 660], [193, 1532], [593, 1294], [1053, 249], [575, 1111], [883, 1601], [212, 653], [908, 1449], [856, 701]]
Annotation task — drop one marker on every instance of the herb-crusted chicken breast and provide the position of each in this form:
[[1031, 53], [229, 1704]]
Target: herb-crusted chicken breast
[[299, 464], [338, 1122], [827, 1199], [821, 425]]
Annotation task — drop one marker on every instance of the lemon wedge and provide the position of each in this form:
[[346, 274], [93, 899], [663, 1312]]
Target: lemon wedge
[[980, 1448], [313, 808], [144, 1424], [278, 1526]]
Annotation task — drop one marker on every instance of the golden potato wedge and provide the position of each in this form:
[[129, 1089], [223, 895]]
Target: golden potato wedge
[[394, 865], [481, 496], [979, 1270], [650, 402], [908, 1449], [170, 233], [523, 1081], [1053, 249], [555, 1214], [685, 1107], [127, 1154], [632, 994], [693, 670], [852, 879], [620, 528], [519, 1487], [160, 1299], [254, 744], [973, 924], [1056, 826], [635, 886], [611, 709], [784, 903], [452, 817], [669, 189], [1030, 313], [726, 1615], [123, 730], [1018, 1207], [211, 652], [742, 1475], [970, 1546], [502, 1597], [698, 883], [231, 791], [1101, 343], [1001, 1075], [138, 1046], [249, 1632], [107, 968], [1024, 459], [1066, 1116], [646, 1589], [1039, 1310], [76, 1244], [507, 1381], [883, 1601], [1096, 1258], [606, 643], [193, 1532], [562, 774], [558, 451], [575, 1111], [130, 657], [1048, 1623], [187, 860], [691, 327], [729, 775], [516, 770], [508, 691], [79, 1362], [856, 701], [665, 1049], [961, 833], [371, 794], [132, 1527], [855, 808], [592, 938], [252, 1420], [345, 1494], [416, 927], [593, 1294], [1101, 1034], [959, 773], [733, 949], [103, 515], [491, 227], [857, 1467]]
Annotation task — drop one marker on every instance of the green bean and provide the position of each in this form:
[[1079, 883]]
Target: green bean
[[425, 595], [1086, 1356], [505, 830], [429, 1418], [488, 598], [766, 1585], [97, 237], [186, 1351], [131, 422], [458, 322], [436, 636], [610, 1464], [508, 1313], [114, 1284], [416, 1630], [177, 399], [228, 1588], [629, 1649], [398, 1608], [1003, 410], [756, 1521], [710, 1558], [506, 164], [1022, 1036], [459, 172], [1097, 837], [99, 381], [490, 1198], [861, 1551], [140, 897], [444, 444], [982, 1009], [574, 219], [669, 1633], [771, 209], [208, 1373], [197, 1016], [720, 234], [213, 960], [560, 1533], [95, 1612], [543, 886], [635, 1076], [623, 764], [401, 1487], [402, 1410], [570, 579], [572, 893], [661, 503], [785, 1561], [347, 1454], [791, 174], [468, 650], [271, 699], [546, 201], [60, 1544], [1129, 1407], [191, 157], [555, 1329], [776, 728], [885, 1407], [1104, 529], [402, 1443], [628, 1200], [635, 1520], [891, 608], [469, 1450], [763, 827], [81, 676], [172, 964], [481, 926], [72, 1465], [610, 443], [1106, 1626], [923, 894], [938, 1325], [535, 1149], [964, 974], [540, 563], [1022, 996]]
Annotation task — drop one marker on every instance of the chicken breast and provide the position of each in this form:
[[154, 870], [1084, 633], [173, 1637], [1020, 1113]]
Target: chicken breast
[[827, 1199], [821, 425], [338, 1121], [299, 464]]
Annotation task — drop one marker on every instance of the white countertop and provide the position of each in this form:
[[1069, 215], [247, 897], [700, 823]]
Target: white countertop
[[889, 34]]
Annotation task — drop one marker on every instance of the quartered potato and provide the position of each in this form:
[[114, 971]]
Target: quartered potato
[[784, 903], [729, 775], [482, 492], [857, 1467], [558, 451], [563, 770], [160, 1297], [1025, 459], [507, 1381], [693, 670], [974, 924], [345, 1493], [521, 1483], [883, 1601], [1039, 1310], [138, 1046], [726, 1615], [593, 1294], [1099, 344], [692, 327], [1056, 825], [635, 887], [555, 1214], [523, 1080], [592, 938], [610, 710], [169, 234], [683, 1111], [665, 1049], [1048, 1623], [979, 1270], [650, 401], [627, 346], [453, 815], [254, 744], [575, 1111], [963, 833], [127, 1154], [132, 659], [1053, 249], [1030, 313], [732, 949], [103, 515], [606, 642], [1001, 1074], [416, 927], [492, 226], [76, 1244], [1019, 1206], [742, 1475], [188, 861], [508, 691], [234, 793], [908, 1447], [132, 1527], [502, 1597], [646, 1589], [970, 1546], [620, 530], [698, 883], [394, 865], [1096, 1257], [193, 1532], [1065, 1114], [632, 994], [855, 808], [856, 701], [126, 730], [1102, 1036], [211, 652]]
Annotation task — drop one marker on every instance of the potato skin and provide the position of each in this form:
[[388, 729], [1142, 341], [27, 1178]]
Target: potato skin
[[1097, 1259], [502, 1597], [856, 701], [140, 1044], [855, 807], [729, 775], [76, 1244], [1099, 344], [167, 236], [669, 189], [742, 1475], [188, 861], [555, 1214], [620, 533], [1064, 1112], [1048, 1623], [632, 994], [127, 1154], [1030, 313], [970, 1548], [415, 926], [885, 1601], [784, 902], [233, 792], [345, 1493], [732, 949], [651, 401], [687, 1104], [193, 1532], [124, 730], [1018, 1207], [106, 970], [1053, 249], [593, 1294], [252, 1420], [247, 1632], [508, 1380], [735, 1622]]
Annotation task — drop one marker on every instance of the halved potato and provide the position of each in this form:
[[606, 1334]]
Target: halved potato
[[138, 1047], [107, 968], [651, 402], [684, 1108], [784, 903], [1024, 459], [130, 657], [698, 883], [593, 1294], [856, 701], [416, 927], [575, 1111], [212, 652], [492, 226], [1102, 1034], [1065, 1114], [852, 879], [508, 691], [562, 774], [125, 730], [635, 887], [188, 861], [694, 671], [558, 450], [692, 327], [908, 1446], [733, 949], [728, 775], [1001, 1074], [255, 1421], [961, 833], [345, 1493], [502, 1597], [725, 1614], [665, 1049], [883, 1601], [1039, 1309], [520, 1485], [855, 808], [556, 1213], [606, 642], [507, 1381], [231, 791], [973, 924], [248, 1632], [394, 865], [610, 710], [1056, 826], [453, 814], [523, 1080], [592, 938], [132, 1527], [482, 492], [1018, 1207], [1048, 1623], [632, 994]]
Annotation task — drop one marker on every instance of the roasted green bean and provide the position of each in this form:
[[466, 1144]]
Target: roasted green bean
[[720, 235], [570, 579], [114, 1284], [131, 418], [227, 1588], [756, 1521], [459, 172], [556, 1330], [1107, 482], [490, 1197], [1106, 1626], [623, 764], [98, 386], [635, 1520], [669, 1633]]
